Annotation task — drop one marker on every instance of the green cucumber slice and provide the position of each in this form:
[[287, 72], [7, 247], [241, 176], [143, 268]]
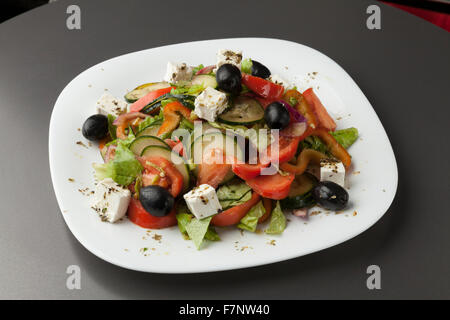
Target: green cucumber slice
[[178, 162], [244, 111], [300, 193], [141, 142], [144, 89], [151, 130]]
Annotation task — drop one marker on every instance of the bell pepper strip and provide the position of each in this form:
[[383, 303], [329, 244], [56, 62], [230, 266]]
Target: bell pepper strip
[[172, 116], [303, 160], [263, 88], [325, 120], [160, 171], [274, 187], [335, 148], [267, 203], [138, 215], [303, 107], [233, 215], [123, 121], [149, 97]]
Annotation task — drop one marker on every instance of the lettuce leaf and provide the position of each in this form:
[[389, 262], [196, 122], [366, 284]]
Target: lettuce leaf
[[184, 218], [111, 128], [277, 222], [246, 66], [151, 120], [123, 169], [197, 69], [250, 220], [197, 229], [346, 137]]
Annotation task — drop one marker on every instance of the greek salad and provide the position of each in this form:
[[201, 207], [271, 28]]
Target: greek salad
[[229, 144]]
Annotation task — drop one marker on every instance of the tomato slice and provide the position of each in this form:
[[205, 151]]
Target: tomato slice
[[234, 215], [248, 171], [267, 203], [170, 178], [325, 120], [176, 146], [149, 97], [138, 215], [262, 87], [281, 152], [273, 187], [213, 169]]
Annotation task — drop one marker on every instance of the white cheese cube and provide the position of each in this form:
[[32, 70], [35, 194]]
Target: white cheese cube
[[225, 56], [203, 201], [177, 71], [278, 80], [210, 103], [110, 200], [332, 170], [108, 104]]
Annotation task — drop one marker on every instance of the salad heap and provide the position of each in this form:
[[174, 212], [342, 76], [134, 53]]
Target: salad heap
[[223, 145]]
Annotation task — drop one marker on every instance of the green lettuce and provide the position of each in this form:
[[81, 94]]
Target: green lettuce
[[277, 222], [112, 128], [184, 218], [123, 169], [197, 69], [246, 66], [188, 89], [250, 220], [346, 137], [150, 120]]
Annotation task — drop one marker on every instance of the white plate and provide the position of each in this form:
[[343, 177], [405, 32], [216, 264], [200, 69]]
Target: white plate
[[371, 191]]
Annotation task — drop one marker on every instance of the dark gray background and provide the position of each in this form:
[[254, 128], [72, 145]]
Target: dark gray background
[[403, 69]]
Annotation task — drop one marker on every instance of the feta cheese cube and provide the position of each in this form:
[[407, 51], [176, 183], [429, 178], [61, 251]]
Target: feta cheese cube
[[177, 71], [210, 103], [108, 104], [278, 80], [225, 56], [203, 201], [332, 170], [110, 200]]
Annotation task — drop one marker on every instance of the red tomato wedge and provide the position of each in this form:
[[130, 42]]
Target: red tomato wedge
[[325, 120], [248, 171], [170, 178], [149, 97], [176, 146], [280, 152], [234, 215], [274, 187], [262, 87], [137, 214], [213, 168]]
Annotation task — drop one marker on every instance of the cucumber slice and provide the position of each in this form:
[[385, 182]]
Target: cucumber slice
[[142, 90], [205, 80], [300, 194], [141, 142], [244, 111], [178, 162], [151, 130]]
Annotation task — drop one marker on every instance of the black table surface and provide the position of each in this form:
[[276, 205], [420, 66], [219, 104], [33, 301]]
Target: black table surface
[[403, 69]]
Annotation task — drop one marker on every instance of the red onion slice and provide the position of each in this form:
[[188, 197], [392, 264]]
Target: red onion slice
[[297, 116], [205, 70]]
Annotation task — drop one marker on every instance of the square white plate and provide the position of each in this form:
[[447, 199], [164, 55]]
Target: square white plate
[[372, 179]]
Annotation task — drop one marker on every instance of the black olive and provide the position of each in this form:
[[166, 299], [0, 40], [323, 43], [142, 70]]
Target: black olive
[[95, 127], [228, 78], [260, 70], [277, 116], [330, 196], [156, 200]]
